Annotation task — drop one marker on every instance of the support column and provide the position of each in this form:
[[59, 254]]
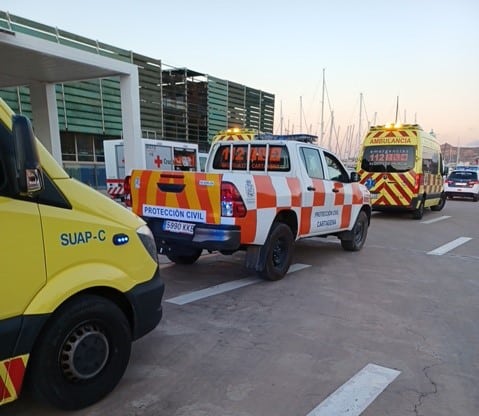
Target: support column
[[131, 121], [45, 117]]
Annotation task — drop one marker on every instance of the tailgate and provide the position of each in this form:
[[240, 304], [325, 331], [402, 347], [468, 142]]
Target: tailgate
[[177, 195]]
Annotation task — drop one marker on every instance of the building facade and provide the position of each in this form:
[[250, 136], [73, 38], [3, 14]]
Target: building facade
[[175, 103]]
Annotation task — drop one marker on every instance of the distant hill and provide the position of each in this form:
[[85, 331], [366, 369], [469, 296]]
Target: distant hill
[[469, 154]]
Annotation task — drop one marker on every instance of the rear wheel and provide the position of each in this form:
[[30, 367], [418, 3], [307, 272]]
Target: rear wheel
[[359, 232], [81, 354], [418, 213], [184, 257], [441, 204], [277, 252]]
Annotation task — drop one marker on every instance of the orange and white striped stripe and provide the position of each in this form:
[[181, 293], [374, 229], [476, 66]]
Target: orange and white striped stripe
[[331, 206]]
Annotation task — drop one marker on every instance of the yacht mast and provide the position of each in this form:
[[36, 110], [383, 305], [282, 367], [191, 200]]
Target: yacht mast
[[321, 133], [300, 114], [360, 117]]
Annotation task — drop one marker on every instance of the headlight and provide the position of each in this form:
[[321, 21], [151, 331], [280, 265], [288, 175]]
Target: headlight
[[146, 237]]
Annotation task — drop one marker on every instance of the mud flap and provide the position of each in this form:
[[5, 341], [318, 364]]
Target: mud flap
[[253, 259]]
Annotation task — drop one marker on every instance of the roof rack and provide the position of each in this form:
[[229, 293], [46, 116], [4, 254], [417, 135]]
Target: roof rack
[[306, 138]]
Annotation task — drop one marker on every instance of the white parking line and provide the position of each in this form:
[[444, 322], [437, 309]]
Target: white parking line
[[354, 396], [213, 290], [225, 287], [449, 246], [444, 217]]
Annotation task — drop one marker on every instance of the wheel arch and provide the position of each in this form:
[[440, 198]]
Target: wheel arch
[[34, 325], [367, 210], [290, 218]]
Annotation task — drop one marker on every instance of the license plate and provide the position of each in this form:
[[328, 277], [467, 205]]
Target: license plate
[[374, 196], [178, 227]]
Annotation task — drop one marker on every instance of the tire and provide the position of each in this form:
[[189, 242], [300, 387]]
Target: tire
[[475, 198], [81, 354], [359, 231], [441, 204], [277, 252], [184, 258], [417, 214]]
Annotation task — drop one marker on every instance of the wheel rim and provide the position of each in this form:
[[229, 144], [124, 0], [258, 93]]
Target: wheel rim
[[84, 353], [279, 252], [358, 232]]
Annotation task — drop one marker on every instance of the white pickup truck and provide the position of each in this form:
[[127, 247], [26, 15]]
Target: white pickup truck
[[259, 196]]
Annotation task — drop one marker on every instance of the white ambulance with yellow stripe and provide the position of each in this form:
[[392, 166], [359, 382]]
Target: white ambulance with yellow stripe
[[255, 195], [403, 168], [79, 278]]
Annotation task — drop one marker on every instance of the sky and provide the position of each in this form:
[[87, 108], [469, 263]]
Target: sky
[[413, 61]]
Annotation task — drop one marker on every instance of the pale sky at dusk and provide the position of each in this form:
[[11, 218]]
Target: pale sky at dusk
[[426, 52]]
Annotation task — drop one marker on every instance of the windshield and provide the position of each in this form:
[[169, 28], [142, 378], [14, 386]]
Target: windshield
[[388, 158]]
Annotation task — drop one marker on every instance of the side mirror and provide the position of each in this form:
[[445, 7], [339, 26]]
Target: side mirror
[[27, 170], [354, 177]]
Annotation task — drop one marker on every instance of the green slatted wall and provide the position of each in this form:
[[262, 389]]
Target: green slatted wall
[[267, 112], [236, 105], [150, 78], [217, 105]]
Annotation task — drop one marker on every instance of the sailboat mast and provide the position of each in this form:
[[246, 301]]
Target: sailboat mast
[[397, 109], [321, 133], [331, 130], [281, 118], [300, 114], [360, 117]]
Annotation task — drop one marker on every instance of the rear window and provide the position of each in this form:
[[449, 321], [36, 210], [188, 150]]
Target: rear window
[[274, 157], [388, 158], [463, 175]]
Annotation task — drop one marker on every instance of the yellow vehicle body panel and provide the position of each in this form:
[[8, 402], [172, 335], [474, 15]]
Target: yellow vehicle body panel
[[67, 239]]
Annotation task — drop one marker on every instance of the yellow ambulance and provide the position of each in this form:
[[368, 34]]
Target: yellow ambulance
[[403, 168], [79, 278]]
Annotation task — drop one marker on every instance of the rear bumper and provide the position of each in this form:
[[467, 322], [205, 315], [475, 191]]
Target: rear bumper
[[462, 194], [381, 207], [205, 236]]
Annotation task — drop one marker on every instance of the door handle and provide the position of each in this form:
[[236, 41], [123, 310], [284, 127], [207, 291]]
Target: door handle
[[311, 188], [335, 190]]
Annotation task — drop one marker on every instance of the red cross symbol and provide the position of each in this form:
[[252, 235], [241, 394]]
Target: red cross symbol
[[158, 161]]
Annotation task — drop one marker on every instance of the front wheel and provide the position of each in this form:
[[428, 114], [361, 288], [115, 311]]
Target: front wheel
[[359, 232], [185, 257], [81, 354], [277, 252]]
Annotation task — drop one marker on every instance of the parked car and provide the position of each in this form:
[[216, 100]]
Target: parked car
[[462, 183]]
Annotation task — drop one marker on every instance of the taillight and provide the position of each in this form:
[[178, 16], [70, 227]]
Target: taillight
[[232, 204], [472, 183], [127, 191], [419, 182]]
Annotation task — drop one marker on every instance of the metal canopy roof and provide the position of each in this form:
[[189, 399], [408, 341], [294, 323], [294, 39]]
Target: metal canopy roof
[[27, 59], [39, 63]]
